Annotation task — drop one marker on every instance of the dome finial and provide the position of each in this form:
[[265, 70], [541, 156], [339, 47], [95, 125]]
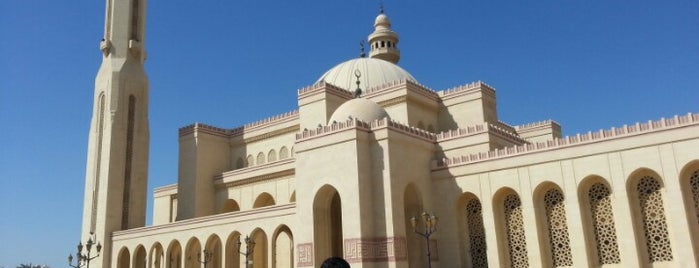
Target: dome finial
[[361, 49], [358, 91], [381, 7]]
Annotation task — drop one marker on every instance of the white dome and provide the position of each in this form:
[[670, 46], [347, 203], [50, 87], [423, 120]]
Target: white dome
[[382, 19], [374, 72], [360, 109]]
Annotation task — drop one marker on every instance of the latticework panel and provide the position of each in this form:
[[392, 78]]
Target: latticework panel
[[654, 224], [515, 232], [694, 184], [558, 228], [476, 235], [603, 224]]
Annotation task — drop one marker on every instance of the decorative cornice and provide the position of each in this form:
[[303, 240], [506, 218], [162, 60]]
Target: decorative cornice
[[579, 139], [221, 180]]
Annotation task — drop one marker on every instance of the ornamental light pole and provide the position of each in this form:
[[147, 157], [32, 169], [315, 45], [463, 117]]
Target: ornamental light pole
[[430, 222], [84, 259], [207, 257], [249, 247]]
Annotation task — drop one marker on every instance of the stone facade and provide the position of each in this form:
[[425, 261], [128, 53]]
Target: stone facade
[[307, 185]]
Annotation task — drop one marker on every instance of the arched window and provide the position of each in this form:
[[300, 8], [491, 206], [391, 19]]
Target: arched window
[[476, 233], [283, 153], [514, 229], [240, 163], [557, 226], [250, 161], [263, 200], [653, 220], [602, 217], [260, 158], [271, 156]]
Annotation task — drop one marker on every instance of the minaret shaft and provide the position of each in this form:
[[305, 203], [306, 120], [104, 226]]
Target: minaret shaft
[[117, 157]]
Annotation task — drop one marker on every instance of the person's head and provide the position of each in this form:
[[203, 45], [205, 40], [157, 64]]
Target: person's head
[[335, 262]]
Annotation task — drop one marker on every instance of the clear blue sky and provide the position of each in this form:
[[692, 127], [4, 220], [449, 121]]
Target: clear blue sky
[[585, 64]]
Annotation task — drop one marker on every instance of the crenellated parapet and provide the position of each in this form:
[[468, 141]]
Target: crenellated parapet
[[498, 128], [405, 129], [579, 139], [410, 84], [203, 128], [466, 87], [200, 127], [332, 128], [535, 124], [322, 85]]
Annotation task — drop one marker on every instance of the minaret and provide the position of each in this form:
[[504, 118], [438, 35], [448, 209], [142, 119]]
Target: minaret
[[383, 40], [117, 156]]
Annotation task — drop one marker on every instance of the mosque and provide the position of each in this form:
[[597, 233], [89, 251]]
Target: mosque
[[369, 150]]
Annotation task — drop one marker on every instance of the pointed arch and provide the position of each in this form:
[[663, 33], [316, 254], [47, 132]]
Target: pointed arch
[[139, 257], [283, 247], [232, 250], [689, 182], [413, 207], [471, 231], [250, 161], [510, 228], [230, 205], [174, 255], [271, 156], [283, 153], [240, 163], [327, 223], [123, 258], [260, 158], [156, 257], [595, 202], [552, 223], [645, 190], [213, 245], [259, 254], [263, 200], [191, 250]]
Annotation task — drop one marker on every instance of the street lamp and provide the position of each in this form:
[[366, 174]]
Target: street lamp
[[249, 247], [430, 222], [207, 257], [84, 259]]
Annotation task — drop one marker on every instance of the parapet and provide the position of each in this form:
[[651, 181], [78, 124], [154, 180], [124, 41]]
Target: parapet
[[589, 137]]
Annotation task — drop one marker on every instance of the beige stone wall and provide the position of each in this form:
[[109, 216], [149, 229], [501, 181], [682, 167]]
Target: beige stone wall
[[618, 162]]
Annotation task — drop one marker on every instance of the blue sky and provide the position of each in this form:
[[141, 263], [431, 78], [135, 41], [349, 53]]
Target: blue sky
[[585, 64]]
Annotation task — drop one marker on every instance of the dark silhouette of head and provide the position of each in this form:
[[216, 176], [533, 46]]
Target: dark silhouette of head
[[335, 262]]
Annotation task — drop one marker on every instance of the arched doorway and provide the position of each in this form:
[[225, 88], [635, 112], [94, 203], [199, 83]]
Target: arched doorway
[[139, 257], [156, 256], [124, 257], [283, 248], [174, 255], [192, 250], [232, 251], [412, 207], [259, 254], [213, 245], [327, 224]]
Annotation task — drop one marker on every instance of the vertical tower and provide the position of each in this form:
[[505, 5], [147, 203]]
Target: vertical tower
[[117, 156], [383, 40]]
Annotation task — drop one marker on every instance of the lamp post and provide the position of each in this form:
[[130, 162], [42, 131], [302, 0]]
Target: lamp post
[[430, 222], [207, 257], [249, 247], [84, 259]]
